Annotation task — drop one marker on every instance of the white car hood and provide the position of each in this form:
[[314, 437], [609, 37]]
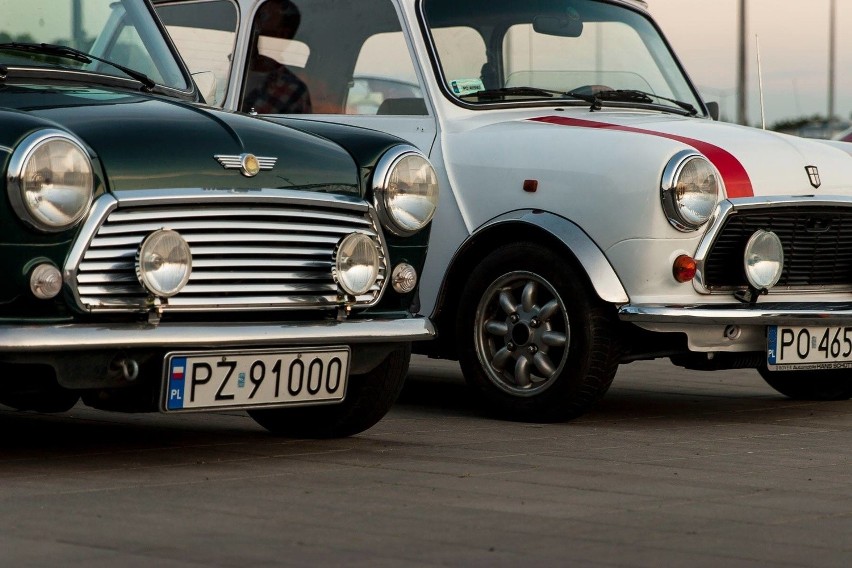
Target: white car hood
[[752, 162]]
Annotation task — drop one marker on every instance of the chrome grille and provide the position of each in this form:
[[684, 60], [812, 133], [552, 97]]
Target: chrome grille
[[270, 253], [817, 247]]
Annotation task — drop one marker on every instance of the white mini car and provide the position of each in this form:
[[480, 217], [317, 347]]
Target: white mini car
[[592, 212]]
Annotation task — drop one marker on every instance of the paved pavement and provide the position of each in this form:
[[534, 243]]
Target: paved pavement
[[673, 469]]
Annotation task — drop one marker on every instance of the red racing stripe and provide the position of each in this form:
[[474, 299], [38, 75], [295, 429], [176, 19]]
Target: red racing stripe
[[737, 182]]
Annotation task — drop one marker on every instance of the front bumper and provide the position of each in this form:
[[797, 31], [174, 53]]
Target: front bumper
[[762, 314], [87, 337]]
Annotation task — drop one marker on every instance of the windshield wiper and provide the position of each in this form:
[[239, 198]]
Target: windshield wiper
[[630, 96], [510, 92], [77, 55]]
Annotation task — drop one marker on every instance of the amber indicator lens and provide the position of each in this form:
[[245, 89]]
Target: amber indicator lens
[[684, 268]]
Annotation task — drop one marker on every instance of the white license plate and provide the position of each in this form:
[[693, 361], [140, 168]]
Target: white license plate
[[803, 348], [249, 379]]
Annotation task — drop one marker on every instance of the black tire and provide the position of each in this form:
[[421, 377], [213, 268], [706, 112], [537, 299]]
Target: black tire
[[368, 399], [562, 331], [810, 385]]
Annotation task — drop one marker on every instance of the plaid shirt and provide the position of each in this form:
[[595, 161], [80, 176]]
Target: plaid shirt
[[281, 93]]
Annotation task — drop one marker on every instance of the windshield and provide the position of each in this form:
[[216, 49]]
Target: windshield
[[541, 50], [120, 33]]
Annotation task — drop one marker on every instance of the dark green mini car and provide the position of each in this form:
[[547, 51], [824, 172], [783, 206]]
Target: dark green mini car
[[158, 254]]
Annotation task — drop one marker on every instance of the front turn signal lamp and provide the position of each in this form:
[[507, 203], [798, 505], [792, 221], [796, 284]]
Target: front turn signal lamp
[[684, 268]]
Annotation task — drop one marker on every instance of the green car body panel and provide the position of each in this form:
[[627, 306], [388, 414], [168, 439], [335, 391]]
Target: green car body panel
[[264, 221]]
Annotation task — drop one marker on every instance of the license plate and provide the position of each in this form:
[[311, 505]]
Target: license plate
[[804, 348], [249, 379]]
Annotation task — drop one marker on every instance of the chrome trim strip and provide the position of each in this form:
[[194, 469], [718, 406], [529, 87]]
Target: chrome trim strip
[[381, 176], [72, 337], [769, 313], [668, 188], [15, 173], [200, 196], [601, 274], [728, 207]]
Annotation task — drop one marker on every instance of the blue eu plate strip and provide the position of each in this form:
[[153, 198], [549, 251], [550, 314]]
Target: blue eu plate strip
[[773, 344], [177, 380]]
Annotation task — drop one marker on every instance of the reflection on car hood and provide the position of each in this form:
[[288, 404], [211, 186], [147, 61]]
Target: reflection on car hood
[[146, 142], [752, 162]]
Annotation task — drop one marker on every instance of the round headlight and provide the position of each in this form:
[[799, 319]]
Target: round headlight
[[50, 181], [356, 264], [164, 263], [690, 191], [406, 190], [764, 260]]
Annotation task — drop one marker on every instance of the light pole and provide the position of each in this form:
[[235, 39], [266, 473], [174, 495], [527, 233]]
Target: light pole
[[832, 39], [742, 106]]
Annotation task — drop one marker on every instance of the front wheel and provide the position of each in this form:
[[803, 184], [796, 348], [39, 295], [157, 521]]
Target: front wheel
[[534, 341], [368, 399], [810, 385]]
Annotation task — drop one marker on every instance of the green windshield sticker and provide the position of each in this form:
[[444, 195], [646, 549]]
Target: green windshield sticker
[[462, 87]]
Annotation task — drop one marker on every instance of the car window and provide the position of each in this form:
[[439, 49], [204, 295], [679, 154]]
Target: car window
[[333, 58], [384, 72], [123, 32], [205, 34], [537, 59]]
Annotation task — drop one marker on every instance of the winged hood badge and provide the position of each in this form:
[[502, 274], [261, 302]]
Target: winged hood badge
[[248, 164]]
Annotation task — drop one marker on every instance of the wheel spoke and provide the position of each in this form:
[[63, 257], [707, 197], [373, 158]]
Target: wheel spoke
[[554, 339], [498, 328], [544, 364], [528, 296], [522, 372], [508, 303], [501, 358], [549, 309]]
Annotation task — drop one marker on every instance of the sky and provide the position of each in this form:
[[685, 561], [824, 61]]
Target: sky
[[794, 52]]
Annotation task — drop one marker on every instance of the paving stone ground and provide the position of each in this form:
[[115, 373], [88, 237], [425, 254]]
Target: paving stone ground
[[673, 468]]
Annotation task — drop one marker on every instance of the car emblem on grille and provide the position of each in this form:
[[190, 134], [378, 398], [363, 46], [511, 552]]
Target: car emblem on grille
[[248, 164], [813, 175]]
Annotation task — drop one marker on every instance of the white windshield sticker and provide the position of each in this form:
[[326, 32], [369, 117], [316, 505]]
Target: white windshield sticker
[[466, 86]]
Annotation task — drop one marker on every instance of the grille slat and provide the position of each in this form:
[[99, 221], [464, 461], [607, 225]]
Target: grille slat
[[817, 245], [273, 256], [197, 238], [152, 215], [191, 226]]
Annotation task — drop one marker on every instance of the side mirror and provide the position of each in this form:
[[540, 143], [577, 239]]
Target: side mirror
[[206, 83], [713, 109]]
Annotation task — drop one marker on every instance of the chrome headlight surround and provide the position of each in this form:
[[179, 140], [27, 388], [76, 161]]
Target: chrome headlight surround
[[50, 199], [405, 189], [690, 190]]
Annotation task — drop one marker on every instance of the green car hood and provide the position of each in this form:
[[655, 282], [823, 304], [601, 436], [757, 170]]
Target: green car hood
[[147, 142]]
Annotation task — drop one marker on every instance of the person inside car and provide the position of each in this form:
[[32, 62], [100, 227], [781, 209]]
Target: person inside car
[[271, 88]]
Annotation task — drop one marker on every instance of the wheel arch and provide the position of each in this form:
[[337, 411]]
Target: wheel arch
[[548, 228]]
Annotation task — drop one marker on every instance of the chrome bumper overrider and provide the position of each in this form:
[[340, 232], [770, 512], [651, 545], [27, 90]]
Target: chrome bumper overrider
[[776, 313], [75, 337]]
